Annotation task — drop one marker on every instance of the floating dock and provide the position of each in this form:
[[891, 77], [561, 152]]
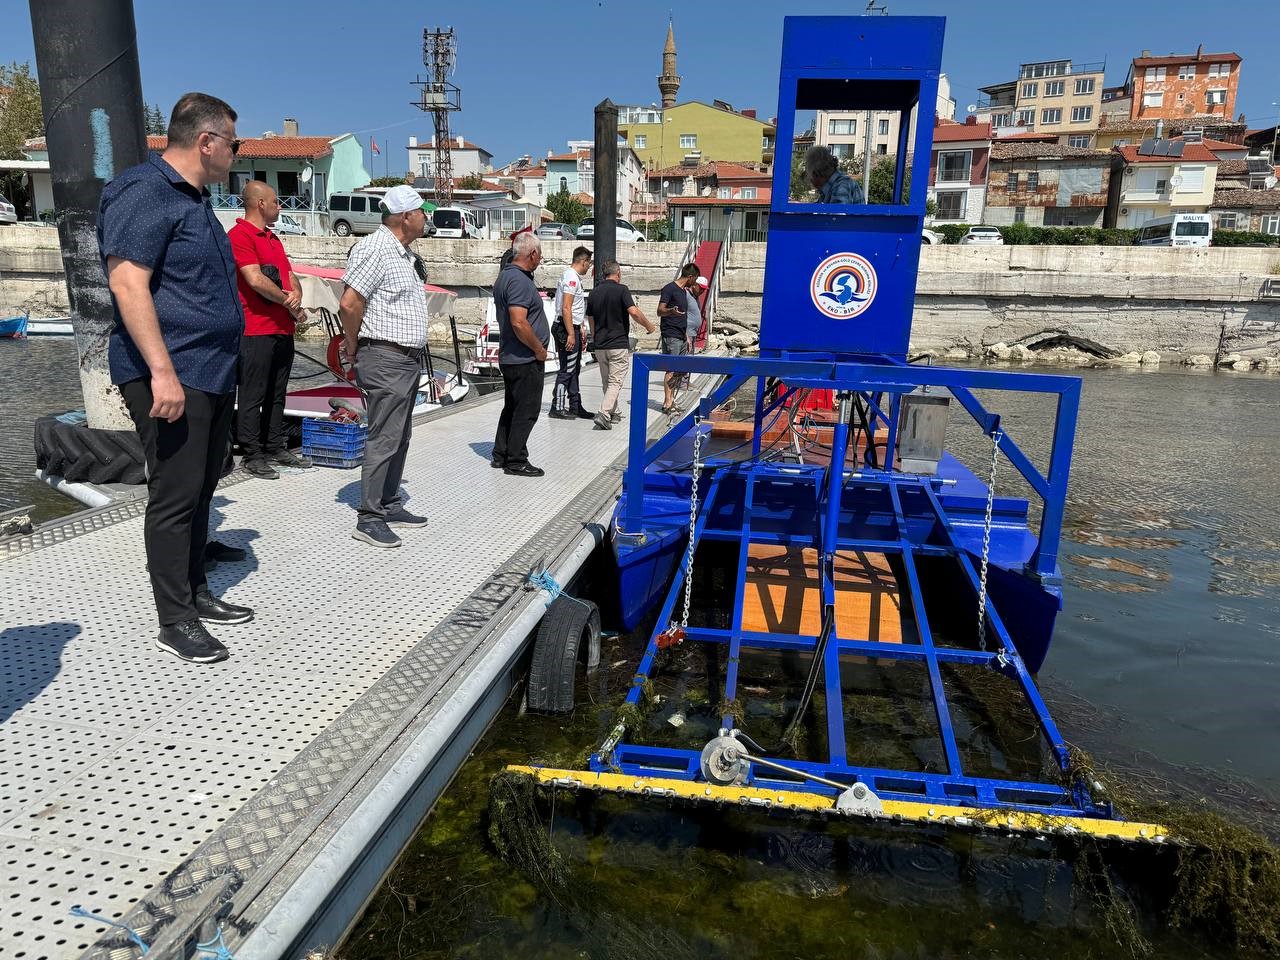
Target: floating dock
[[268, 795]]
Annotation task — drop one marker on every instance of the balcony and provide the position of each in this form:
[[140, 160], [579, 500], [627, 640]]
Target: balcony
[[953, 176], [231, 201]]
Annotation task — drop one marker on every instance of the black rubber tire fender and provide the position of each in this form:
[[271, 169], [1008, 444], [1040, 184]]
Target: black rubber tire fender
[[81, 454], [569, 631]]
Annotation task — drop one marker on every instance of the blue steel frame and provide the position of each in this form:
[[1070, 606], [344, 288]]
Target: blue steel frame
[[872, 378]]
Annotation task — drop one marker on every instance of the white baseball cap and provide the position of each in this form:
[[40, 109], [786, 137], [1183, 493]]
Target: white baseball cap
[[703, 282], [402, 199]]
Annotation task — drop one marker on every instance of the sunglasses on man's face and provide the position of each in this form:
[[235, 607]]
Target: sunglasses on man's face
[[232, 141]]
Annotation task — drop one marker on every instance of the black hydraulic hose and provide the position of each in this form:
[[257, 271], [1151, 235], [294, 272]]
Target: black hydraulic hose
[[806, 695]]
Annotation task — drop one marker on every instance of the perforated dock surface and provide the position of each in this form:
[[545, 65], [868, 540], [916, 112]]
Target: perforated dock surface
[[129, 778]]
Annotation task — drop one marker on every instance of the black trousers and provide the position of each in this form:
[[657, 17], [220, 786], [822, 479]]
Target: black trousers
[[184, 461], [566, 396], [521, 404], [264, 366]]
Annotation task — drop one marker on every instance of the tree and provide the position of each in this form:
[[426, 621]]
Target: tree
[[387, 182], [20, 120], [566, 209], [801, 191], [20, 116], [472, 181], [882, 174], [153, 117]]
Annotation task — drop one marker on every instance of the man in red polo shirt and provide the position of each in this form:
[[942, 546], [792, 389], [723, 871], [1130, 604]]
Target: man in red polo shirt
[[272, 300]]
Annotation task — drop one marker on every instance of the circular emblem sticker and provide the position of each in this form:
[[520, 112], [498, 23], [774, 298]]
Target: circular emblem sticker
[[843, 285]]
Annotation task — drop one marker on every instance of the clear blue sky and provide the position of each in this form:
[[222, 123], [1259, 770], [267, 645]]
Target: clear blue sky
[[530, 77]]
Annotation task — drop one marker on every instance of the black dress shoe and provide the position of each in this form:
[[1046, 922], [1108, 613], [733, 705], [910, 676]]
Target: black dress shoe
[[524, 470], [212, 610], [223, 552], [498, 464], [192, 642], [584, 414], [557, 414]]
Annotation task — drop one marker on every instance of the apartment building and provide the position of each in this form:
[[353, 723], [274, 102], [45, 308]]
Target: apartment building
[[958, 171], [1062, 97], [845, 132], [1183, 85], [1160, 177]]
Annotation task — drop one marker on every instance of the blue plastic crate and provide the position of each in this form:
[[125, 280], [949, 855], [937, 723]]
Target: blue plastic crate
[[326, 431], [328, 439], [339, 462]]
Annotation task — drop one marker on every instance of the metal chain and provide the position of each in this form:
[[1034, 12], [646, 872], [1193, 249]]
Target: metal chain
[[986, 544], [693, 519]]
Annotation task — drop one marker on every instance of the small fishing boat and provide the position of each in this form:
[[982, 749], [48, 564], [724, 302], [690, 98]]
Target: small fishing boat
[[13, 328], [440, 383], [49, 327]]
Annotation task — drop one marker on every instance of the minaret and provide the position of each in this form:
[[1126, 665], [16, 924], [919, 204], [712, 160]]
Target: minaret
[[669, 82]]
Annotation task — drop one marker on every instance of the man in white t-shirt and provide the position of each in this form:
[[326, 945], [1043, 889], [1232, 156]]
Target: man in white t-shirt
[[569, 332]]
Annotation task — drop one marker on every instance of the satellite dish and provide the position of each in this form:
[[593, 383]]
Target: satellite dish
[[305, 176], [972, 108], [1175, 180], [1270, 182]]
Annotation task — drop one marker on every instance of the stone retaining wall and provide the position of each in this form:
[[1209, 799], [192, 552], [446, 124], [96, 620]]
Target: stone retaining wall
[[1105, 301]]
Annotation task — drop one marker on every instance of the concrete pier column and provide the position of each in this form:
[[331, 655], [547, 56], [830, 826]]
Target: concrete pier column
[[91, 91]]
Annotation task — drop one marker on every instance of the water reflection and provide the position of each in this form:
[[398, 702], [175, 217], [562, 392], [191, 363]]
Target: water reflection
[[39, 377]]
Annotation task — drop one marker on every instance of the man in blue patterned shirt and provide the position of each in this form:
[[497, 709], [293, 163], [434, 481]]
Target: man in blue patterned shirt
[[832, 183], [173, 354]]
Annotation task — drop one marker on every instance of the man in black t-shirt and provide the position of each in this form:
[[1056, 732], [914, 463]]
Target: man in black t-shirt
[[673, 309], [610, 310]]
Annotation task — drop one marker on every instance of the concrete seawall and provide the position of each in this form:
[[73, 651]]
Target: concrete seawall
[[1105, 300]]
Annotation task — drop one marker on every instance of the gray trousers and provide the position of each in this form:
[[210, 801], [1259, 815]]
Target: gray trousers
[[389, 379]]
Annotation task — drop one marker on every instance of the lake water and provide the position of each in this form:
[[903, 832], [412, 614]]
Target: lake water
[[1166, 662]]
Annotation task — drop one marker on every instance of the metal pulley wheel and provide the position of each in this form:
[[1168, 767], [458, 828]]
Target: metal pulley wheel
[[723, 762]]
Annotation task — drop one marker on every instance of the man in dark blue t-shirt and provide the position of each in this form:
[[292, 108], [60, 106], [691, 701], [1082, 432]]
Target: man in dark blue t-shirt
[[673, 310], [522, 355], [173, 354]]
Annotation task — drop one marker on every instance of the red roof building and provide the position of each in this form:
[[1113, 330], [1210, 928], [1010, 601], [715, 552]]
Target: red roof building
[[958, 171], [1183, 85]]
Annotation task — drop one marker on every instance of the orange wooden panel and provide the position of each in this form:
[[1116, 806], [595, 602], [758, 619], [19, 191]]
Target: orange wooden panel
[[784, 594]]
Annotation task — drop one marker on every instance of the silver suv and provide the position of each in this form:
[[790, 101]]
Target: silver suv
[[354, 213]]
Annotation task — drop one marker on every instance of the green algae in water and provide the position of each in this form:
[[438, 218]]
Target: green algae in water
[[605, 876]]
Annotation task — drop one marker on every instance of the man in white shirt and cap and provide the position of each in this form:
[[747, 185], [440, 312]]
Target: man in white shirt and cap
[[384, 318]]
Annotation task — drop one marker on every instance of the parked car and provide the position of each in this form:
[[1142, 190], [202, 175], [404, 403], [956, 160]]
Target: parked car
[[989, 235], [929, 237], [556, 231], [456, 223], [354, 213], [288, 227], [7, 212], [626, 232]]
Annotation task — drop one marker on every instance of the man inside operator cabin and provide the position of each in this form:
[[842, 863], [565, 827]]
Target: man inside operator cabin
[[832, 183]]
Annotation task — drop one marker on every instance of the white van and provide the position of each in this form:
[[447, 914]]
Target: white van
[[1179, 230], [456, 223]]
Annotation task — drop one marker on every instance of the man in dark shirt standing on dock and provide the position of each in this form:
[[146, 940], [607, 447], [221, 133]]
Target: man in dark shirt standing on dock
[[522, 357], [673, 311], [173, 354]]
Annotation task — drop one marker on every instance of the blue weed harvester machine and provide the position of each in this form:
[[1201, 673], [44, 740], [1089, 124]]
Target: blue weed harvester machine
[[861, 541]]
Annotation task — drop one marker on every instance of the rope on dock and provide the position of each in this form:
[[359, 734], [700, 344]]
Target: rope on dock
[[79, 911], [216, 948]]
